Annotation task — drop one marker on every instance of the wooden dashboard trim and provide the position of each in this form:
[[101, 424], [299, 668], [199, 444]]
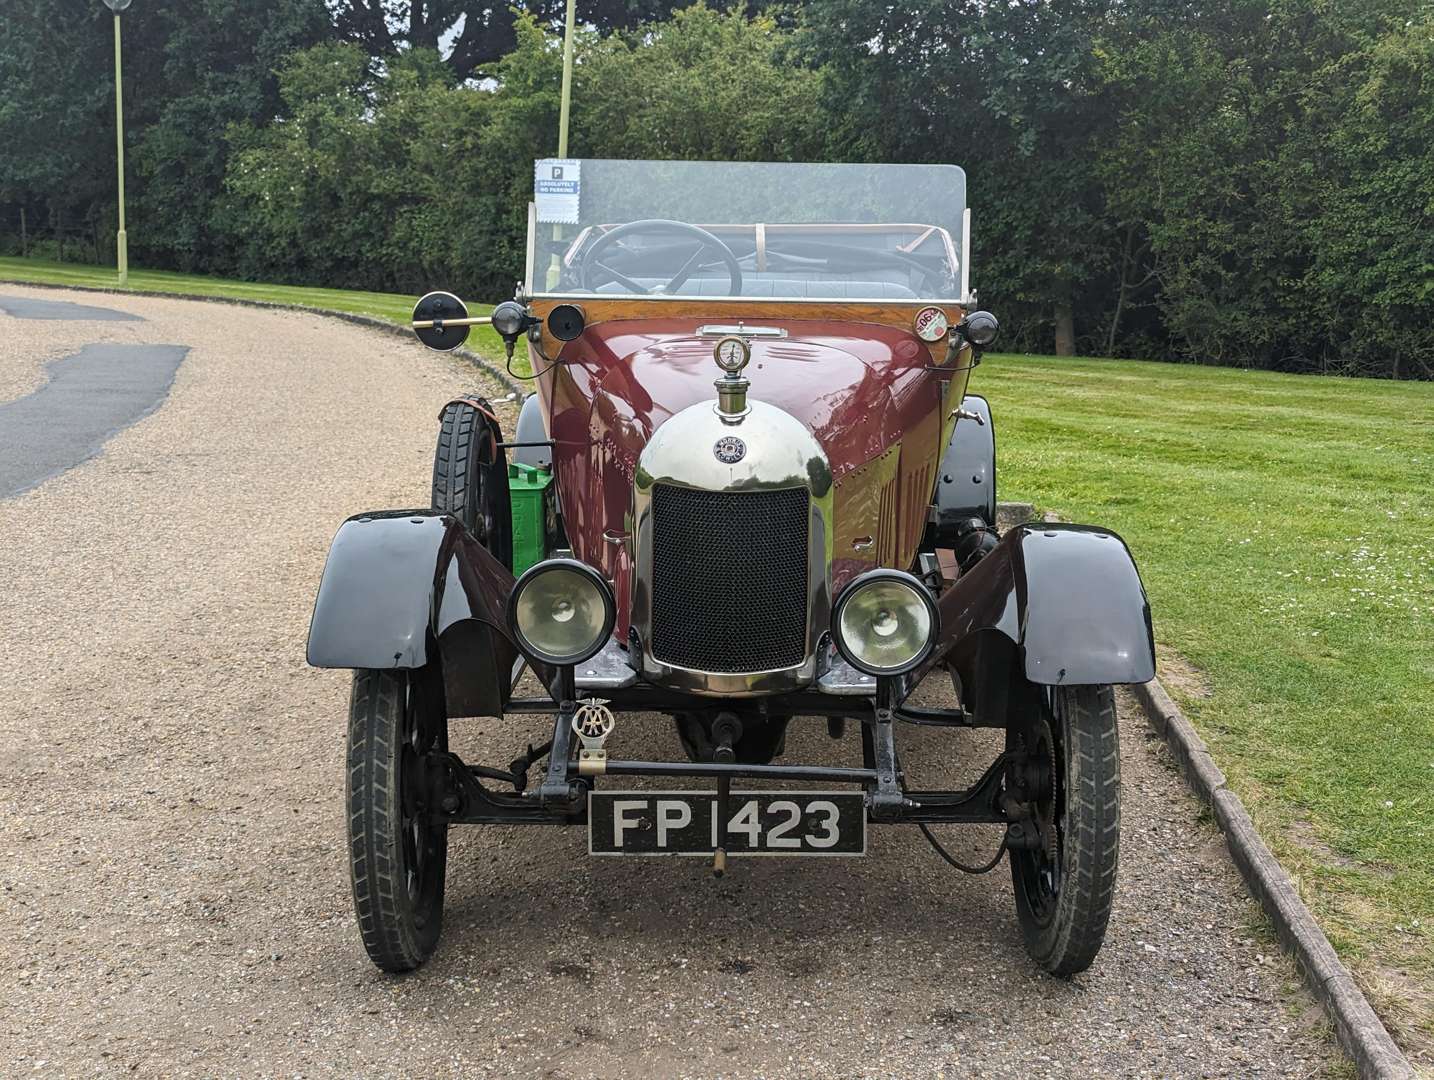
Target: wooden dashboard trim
[[898, 313]]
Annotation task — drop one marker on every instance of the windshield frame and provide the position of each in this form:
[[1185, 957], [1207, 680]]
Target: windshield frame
[[955, 250]]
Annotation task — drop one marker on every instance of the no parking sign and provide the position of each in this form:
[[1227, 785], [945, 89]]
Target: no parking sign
[[557, 187]]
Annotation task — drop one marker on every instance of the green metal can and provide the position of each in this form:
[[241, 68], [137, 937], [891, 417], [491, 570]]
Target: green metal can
[[535, 513]]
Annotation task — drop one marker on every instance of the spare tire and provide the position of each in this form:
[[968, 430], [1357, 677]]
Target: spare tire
[[470, 475]]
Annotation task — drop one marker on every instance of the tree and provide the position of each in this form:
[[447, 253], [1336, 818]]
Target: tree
[[54, 93], [1369, 221], [1240, 181], [188, 73], [210, 69], [1008, 92], [704, 85], [357, 185], [476, 34], [397, 178], [1275, 156]]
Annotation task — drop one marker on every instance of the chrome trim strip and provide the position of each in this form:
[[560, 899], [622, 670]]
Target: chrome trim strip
[[530, 251], [966, 252], [741, 330]]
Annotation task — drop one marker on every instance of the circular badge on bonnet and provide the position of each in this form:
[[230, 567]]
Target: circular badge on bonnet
[[730, 450]]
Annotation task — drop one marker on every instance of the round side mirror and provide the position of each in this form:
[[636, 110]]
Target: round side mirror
[[566, 322], [117, 5], [433, 311]]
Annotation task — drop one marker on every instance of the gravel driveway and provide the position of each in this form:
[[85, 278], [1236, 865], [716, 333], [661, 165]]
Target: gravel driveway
[[175, 894]]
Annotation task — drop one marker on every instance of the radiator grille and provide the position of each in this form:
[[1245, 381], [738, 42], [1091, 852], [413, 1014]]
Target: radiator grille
[[729, 578]]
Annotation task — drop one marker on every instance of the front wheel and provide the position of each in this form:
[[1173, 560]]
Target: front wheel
[[1066, 884], [397, 859]]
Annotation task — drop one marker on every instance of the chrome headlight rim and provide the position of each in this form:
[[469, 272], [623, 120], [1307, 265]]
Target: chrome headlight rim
[[583, 570], [914, 585]]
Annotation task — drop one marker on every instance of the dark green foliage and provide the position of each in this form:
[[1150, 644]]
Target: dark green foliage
[[479, 34], [52, 116], [409, 181], [213, 65], [1372, 240], [1009, 92], [191, 68], [1248, 182], [1245, 182], [404, 182], [1278, 157]]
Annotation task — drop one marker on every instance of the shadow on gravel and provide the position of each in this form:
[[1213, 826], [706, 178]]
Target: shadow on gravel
[[558, 965], [766, 915], [91, 396]]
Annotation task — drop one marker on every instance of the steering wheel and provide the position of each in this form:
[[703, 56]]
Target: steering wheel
[[591, 265]]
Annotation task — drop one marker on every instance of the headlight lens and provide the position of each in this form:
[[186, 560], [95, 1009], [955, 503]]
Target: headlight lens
[[885, 622], [510, 318], [980, 328], [561, 611]]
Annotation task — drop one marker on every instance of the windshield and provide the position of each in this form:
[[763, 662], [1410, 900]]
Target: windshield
[[750, 229]]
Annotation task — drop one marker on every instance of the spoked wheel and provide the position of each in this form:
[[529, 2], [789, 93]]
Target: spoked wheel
[[470, 476], [1065, 884], [397, 858]]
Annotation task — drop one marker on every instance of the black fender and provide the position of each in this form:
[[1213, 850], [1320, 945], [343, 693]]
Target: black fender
[[403, 588], [1064, 602], [966, 482]]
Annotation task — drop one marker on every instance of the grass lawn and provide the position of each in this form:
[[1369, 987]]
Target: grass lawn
[[1284, 526], [394, 307]]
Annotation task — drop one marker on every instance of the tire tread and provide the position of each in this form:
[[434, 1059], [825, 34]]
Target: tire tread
[[1091, 839], [466, 460], [381, 901]]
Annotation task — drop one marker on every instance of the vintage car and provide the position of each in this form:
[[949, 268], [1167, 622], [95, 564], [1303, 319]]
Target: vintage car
[[751, 491]]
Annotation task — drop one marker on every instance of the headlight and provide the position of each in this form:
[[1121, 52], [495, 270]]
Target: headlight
[[980, 328], [510, 319], [885, 622], [561, 611]]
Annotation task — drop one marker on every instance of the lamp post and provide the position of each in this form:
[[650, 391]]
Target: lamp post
[[121, 239], [567, 97], [563, 109]]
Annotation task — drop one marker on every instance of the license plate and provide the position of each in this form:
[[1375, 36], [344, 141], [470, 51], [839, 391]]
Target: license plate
[[758, 823]]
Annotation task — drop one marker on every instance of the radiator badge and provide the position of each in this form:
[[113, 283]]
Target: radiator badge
[[730, 449]]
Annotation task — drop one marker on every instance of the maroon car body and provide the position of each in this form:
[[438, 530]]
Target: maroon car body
[[860, 388]]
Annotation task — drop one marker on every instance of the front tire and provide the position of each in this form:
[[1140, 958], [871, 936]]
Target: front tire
[[397, 860], [1065, 888]]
